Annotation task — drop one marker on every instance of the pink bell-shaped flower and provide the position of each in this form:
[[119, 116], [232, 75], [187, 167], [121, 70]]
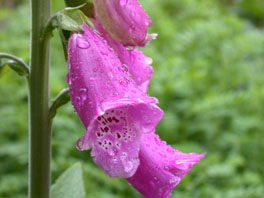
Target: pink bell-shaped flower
[[113, 110], [125, 20], [161, 167], [137, 63]]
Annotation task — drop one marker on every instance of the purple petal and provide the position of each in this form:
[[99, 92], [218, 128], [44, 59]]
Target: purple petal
[[136, 62], [161, 167], [125, 20], [100, 90]]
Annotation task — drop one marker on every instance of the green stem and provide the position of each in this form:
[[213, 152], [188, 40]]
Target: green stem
[[39, 125]]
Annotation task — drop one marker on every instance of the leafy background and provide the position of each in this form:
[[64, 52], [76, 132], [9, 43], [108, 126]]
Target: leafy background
[[209, 65]]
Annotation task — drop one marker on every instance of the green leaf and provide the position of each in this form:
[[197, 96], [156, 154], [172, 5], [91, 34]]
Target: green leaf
[[69, 184]]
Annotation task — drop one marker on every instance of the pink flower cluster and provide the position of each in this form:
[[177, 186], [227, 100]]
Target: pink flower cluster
[[108, 85]]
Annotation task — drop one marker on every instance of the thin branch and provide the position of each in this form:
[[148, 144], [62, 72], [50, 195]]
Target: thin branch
[[50, 26], [15, 58], [62, 98]]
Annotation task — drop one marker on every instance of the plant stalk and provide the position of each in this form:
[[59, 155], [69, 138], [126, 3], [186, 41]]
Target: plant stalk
[[39, 125]]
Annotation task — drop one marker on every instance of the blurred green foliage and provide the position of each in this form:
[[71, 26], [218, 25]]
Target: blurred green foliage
[[209, 64]]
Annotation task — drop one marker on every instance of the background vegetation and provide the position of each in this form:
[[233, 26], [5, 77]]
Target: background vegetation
[[209, 65]]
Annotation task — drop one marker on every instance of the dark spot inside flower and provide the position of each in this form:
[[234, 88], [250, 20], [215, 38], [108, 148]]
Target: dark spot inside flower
[[116, 120], [109, 119], [118, 135], [106, 129]]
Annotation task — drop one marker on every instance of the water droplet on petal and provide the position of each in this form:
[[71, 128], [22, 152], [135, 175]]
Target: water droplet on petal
[[175, 180], [114, 159], [148, 60], [104, 53], [128, 166], [123, 2], [111, 152], [83, 94], [125, 67], [81, 43], [78, 100], [178, 162]]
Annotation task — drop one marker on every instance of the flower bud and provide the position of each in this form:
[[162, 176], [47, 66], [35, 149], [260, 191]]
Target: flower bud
[[125, 20]]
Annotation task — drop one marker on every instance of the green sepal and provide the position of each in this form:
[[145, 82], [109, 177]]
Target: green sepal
[[68, 20], [87, 9]]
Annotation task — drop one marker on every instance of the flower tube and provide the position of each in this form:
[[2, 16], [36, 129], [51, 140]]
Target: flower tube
[[113, 110]]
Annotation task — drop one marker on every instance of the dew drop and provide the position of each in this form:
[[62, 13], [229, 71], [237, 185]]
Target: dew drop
[[111, 152], [178, 162], [114, 159], [123, 2], [125, 67], [104, 53], [128, 166], [78, 100], [175, 180], [83, 94], [82, 43], [148, 60]]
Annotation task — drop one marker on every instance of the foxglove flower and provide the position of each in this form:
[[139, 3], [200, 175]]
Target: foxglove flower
[[125, 20], [137, 63], [113, 110], [161, 167]]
